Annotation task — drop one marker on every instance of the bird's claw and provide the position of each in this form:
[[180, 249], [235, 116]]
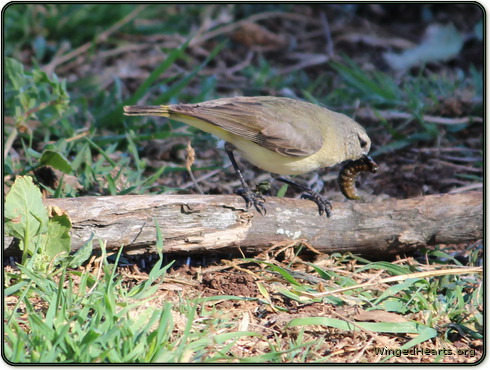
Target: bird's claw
[[252, 197], [324, 205]]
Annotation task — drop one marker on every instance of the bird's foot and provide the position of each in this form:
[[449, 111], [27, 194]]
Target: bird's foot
[[252, 197], [324, 205]]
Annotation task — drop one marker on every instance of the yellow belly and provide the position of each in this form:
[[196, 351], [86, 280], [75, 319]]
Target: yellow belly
[[264, 158], [272, 161]]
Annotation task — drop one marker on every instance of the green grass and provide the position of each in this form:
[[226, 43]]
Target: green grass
[[71, 316], [89, 320]]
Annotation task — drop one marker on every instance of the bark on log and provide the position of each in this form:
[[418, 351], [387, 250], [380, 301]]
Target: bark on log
[[205, 223]]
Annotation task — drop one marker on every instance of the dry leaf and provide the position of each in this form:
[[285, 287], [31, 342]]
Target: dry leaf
[[376, 41], [378, 316], [191, 156], [252, 35]]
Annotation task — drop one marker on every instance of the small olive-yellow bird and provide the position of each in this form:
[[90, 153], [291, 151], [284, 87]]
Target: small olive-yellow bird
[[280, 135]]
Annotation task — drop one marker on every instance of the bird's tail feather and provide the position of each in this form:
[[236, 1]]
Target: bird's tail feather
[[146, 110]]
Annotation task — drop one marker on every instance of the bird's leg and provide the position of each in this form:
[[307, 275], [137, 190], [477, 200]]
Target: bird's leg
[[324, 205], [248, 194]]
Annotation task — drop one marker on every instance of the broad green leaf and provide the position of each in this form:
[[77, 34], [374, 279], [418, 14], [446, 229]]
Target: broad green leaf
[[58, 236], [41, 77], [25, 214], [15, 72], [55, 160]]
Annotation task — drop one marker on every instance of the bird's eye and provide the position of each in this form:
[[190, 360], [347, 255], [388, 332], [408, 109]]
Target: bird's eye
[[362, 142]]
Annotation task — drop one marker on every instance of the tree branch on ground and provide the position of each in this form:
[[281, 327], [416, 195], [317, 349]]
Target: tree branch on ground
[[208, 223]]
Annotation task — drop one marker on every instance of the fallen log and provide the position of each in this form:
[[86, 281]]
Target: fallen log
[[207, 223]]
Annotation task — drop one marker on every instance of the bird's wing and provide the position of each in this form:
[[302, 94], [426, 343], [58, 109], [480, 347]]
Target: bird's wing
[[272, 127]]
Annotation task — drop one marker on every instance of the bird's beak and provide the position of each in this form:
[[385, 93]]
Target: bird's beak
[[373, 166]]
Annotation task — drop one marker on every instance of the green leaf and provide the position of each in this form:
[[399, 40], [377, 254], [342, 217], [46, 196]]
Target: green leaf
[[425, 333], [327, 275], [285, 274], [378, 327], [282, 191], [55, 160], [377, 87], [159, 239], [387, 266], [394, 304], [58, 236], [33, 89], [15, 72], [147, 288], [293, 295], [41, 77], [25, 214], [395, 289], [264, 292], [90, 337]]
